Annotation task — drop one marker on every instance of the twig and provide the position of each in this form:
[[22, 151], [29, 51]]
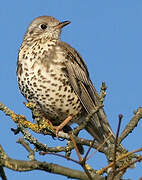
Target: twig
[[103, 92], [59, 155], [101, 171], [89, 149], [83, 162], [2, 173], [115, 146], [130, 164], [31, 155], [75, 146], [131, 125]]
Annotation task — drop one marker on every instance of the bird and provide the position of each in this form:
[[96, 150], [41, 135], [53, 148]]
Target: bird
[[54, 76]]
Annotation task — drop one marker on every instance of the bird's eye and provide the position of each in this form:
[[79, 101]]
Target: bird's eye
[[43, 26]]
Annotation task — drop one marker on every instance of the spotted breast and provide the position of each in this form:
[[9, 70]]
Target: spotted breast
[[42, 80]]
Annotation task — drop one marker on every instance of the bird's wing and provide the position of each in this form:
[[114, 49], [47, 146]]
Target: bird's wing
[[78, 75]]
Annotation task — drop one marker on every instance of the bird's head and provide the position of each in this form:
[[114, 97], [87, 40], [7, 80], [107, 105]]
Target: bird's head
[[44, 27]]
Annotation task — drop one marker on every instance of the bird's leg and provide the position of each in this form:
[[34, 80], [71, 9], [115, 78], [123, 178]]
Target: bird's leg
[[64, 123], [76, 147]]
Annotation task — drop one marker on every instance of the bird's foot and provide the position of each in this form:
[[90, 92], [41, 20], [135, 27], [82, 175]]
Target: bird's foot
[[63, 124]]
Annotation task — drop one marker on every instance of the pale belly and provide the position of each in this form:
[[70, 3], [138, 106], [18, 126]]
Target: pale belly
[[50, 90]]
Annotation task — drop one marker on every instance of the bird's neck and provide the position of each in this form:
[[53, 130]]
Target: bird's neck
[[33, 48], [28, 42]]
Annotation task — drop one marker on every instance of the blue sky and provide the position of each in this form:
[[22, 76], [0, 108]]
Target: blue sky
[[108, 35]]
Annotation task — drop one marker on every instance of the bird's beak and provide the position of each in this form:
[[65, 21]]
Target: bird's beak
[[62, 24]]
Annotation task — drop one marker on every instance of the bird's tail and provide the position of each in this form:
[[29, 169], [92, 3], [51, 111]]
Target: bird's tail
[[104, 135], [99, 127]]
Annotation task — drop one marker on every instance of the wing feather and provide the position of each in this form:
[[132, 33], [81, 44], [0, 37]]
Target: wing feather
[[78, 75]]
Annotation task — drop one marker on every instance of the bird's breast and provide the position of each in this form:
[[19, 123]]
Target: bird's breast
[[43, 81]]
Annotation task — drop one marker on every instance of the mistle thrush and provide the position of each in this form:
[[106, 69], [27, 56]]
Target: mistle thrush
[[54, 76]]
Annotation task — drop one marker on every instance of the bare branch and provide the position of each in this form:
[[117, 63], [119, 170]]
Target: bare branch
[[115, 147], [139, 159], [101, 171], [44, 127], [131, 125], [20, 165], [42, 147], [31, 155], [103, 92], [2, 173]]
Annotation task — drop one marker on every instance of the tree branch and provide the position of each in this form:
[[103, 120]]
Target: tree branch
[[21, 165], [131, 125], [2, 173], [31, 155], [122, 160]]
